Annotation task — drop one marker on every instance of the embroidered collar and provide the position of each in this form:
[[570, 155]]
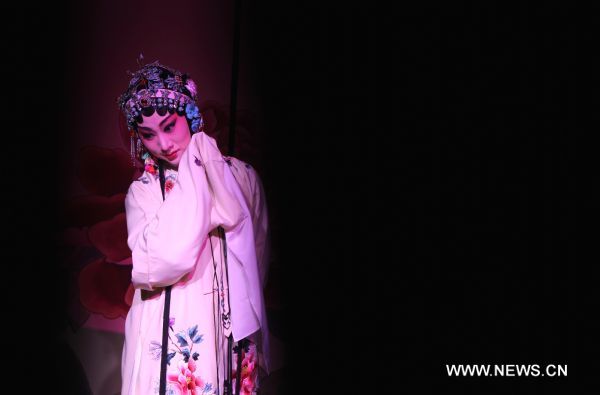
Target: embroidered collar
[[151, 167]]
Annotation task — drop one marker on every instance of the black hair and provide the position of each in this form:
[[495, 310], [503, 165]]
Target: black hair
[[149, 111]]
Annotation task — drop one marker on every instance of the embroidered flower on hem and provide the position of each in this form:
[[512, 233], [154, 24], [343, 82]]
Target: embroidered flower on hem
[[156, 352], [186, 378], [249, 372], [155, 349]]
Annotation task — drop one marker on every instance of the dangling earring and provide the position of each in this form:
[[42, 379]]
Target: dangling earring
[[132, 147], [136, 149], [139, 148]]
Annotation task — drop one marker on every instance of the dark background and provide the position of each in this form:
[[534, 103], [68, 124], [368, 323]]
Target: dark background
[[424, 158]]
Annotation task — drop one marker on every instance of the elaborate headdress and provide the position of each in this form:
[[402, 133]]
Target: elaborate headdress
[[159, 88]]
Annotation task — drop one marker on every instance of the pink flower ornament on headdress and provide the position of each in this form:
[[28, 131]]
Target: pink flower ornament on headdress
[[191, 86]]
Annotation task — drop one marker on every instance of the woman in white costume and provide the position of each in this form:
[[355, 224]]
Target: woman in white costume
[[197, 229]]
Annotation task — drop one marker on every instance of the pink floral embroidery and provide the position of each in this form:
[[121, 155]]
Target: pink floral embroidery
[[150, 169], [249, 372], [169, 185], [186, 380], [150, 166]]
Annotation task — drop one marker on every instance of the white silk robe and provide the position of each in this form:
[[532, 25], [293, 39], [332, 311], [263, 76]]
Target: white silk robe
[[175, 242]]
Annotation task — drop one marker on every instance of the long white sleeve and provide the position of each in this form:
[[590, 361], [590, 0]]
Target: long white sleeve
[[166, 237], [254, 194]]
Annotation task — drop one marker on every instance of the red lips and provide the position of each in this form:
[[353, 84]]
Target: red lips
[[172, 155]]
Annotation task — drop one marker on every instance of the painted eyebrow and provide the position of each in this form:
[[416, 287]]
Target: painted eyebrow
[[160, 124]]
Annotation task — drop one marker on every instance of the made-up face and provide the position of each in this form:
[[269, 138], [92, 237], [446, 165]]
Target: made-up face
[[166, 136]]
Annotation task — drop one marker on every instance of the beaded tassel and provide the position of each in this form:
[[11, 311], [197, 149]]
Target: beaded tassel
[[132, 149], [139, 147]]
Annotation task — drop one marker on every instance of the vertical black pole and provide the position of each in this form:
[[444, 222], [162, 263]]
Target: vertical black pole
[[234, 73], [230, 151]]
